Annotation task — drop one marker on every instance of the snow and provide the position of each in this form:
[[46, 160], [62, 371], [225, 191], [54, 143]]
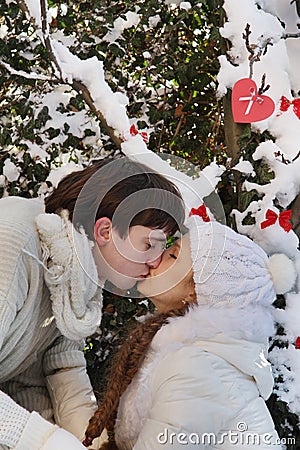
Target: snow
[[66, 40], [283, 188], [288, 14], [34, 9], [76, 121], [90, 72], [10, 170], [185, 5], [244, 167], [192, 190], [281, 64], [154, 20], [208, 179], [3, 31], [286, 362], [172, 2], [59, 172], [35, 151], [132, 20], [289, 316], [32, 75], [2, 181]]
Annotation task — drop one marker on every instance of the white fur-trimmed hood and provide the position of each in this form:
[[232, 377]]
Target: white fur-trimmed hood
[[239, 336], [253, 323]]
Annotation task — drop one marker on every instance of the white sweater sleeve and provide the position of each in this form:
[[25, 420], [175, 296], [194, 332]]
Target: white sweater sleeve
[[21, 430], [13, 419]]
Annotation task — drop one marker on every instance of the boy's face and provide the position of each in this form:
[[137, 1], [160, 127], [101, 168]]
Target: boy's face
[[124, 261]]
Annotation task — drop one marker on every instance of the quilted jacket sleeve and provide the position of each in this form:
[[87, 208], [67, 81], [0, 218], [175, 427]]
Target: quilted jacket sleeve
[[69, 387]]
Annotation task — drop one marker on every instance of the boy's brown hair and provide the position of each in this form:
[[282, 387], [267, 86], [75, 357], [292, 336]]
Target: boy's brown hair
[[109, 188]]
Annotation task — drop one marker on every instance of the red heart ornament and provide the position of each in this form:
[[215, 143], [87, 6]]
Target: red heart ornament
[[249, 106]]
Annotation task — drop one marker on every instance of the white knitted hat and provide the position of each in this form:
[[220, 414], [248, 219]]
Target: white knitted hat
[[230, 269]]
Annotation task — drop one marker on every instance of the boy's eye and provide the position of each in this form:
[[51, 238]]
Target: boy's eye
[[173, 256], [163, 246]]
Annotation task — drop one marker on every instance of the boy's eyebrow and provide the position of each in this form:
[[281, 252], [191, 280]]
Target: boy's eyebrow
[[159, 239], [157, 236]]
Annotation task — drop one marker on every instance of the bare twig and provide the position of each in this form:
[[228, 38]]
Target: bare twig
[[246, 38], [283, 159], [263, 88], [47, 39], [255, 50], [296, 157], [259, 49], [182, 118]]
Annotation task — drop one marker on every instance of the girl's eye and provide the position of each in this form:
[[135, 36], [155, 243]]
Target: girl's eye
[[173, 256]]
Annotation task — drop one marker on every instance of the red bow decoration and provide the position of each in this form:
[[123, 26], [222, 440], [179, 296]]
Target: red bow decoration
[[283, 217], [285, 103], [297, 343], [201, 211], [133, 131]]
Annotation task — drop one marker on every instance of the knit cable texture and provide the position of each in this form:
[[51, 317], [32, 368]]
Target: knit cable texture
[[71, 276], [229, 269], [13, 419]]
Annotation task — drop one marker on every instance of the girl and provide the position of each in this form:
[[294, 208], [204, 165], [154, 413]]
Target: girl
[[196, 374], [54, 259]]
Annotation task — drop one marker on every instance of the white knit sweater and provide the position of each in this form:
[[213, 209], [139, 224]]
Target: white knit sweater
[[31, 346]]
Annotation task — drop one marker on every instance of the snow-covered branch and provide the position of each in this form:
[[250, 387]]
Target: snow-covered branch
[[69, 71], [290, 35], [85, 93], [21, 73]]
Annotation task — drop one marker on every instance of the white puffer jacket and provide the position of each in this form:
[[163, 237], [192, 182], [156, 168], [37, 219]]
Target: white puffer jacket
[[202, 385]]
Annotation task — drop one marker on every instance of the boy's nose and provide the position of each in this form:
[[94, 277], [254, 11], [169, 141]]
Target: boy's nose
[[154, 263]]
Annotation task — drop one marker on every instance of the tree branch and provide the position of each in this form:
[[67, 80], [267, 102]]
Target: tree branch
[[85, 94], [256, 50], [21, 73], [77, 85], [290, 35]]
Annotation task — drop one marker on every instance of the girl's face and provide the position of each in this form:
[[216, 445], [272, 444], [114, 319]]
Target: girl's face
[[171, 283]]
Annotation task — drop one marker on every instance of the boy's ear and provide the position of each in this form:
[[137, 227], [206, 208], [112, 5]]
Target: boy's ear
[[102, 231]]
